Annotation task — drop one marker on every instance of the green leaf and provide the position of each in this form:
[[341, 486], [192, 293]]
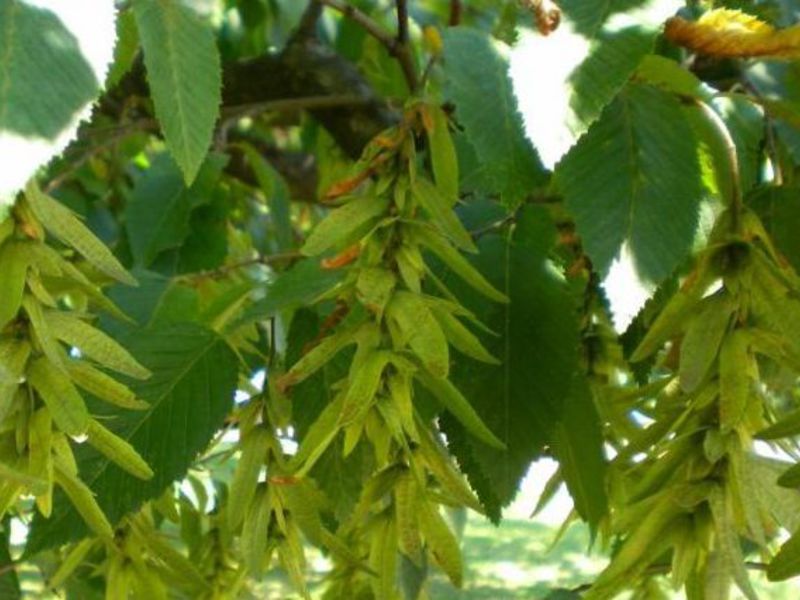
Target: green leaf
[[316, 392], [779, 210], [783, 504], [60, 396], [206, 246], [47, 81], [299, 286], [190, 393], [786, 563], [786, 425], [364, 383], [791, 478], [734, 379], [777, 83], [476, 81], [157, 218], [277, 194], [598, 45], [634, 180], [9, 582], [126, 48], [728, 544], [670, 76], [184, 73], [522, 399], [578, 447]]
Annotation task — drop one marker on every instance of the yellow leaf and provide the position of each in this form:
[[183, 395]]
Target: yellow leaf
[[733, 34]]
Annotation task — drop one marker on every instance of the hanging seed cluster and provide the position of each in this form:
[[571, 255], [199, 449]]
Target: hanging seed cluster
[[50, 354], [692, 503], [399, 322]]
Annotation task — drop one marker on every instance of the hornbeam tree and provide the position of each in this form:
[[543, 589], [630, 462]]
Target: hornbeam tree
[[278, 275]]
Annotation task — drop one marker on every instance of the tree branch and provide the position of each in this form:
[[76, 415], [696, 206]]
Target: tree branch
[[305, 70], [395, 46]]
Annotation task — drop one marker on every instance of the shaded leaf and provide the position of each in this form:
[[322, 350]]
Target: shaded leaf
[[184, 74], [157, 218], [522, 399], [296, 287], [578, 447], [634, 180], [598, 45], [485, 106], [47, 80]]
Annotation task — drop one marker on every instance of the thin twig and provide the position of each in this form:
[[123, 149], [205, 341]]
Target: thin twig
[[402, 22], [455, 13], [224, 270], [404, 55], [12, 566], [394, 47], [110, 140]]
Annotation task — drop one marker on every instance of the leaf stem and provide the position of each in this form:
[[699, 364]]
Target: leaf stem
[[735, 202]]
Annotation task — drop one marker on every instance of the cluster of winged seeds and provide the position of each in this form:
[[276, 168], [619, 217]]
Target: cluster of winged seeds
[[52, 358], [396, 322]]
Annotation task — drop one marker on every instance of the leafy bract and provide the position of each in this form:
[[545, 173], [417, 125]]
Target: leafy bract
[[183, 70], [191, 391]]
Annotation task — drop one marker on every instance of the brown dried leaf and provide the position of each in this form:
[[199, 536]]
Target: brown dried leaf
[[733, 34]]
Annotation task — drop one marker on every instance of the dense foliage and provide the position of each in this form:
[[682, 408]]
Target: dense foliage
[[278, 274]]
